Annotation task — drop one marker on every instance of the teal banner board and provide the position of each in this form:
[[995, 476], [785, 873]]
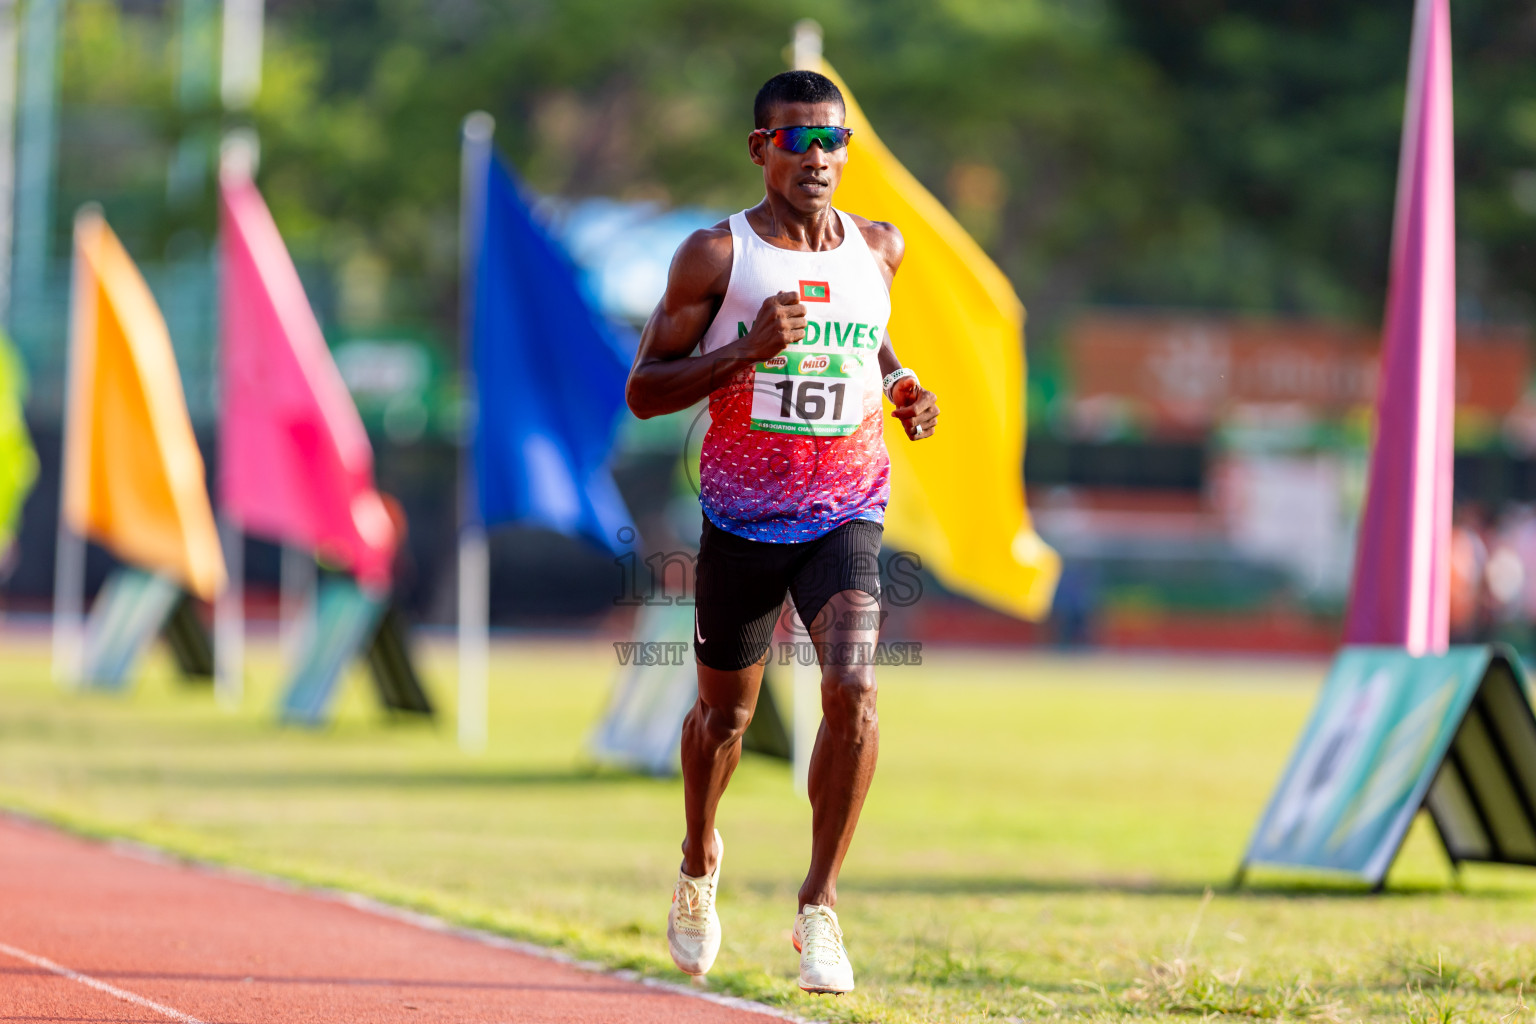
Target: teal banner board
[[133, 607], [1393, 734], [348, 622], [657, 684]]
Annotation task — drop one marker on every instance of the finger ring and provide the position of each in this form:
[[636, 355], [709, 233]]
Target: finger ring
[[917, 428]]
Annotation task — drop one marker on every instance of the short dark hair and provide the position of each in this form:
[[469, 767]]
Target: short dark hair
[[793, 87]]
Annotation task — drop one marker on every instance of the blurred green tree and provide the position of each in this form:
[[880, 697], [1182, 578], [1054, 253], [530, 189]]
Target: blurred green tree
[[1050, 139], [1183, 152], [1289, 114]]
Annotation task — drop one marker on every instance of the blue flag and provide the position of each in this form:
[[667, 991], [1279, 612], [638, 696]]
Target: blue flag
[[549, 373]]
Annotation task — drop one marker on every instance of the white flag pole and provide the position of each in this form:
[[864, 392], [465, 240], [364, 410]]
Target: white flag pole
[[239, 82], [229, 621], [474, 551], [297, 579], [240, 52], [240, 47], [68, 605], [474, 638], [806, 45], [804, 673], [69, 546]]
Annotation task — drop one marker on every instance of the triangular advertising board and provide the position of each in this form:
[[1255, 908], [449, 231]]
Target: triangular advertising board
[[1393, 734], [133, 607], [642, 726], [346, 622]]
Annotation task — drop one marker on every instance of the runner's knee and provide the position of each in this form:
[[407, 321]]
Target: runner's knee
[[848, 693], [724, 725]]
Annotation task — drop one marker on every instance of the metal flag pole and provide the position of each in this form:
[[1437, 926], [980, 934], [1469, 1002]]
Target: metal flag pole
[[804, 674], [240, 59], [229, 620], [239, 83], [474, 551], [806, 45], [69, 546], [296, 589]]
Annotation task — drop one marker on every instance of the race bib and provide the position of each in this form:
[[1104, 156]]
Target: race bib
[[805, 391]]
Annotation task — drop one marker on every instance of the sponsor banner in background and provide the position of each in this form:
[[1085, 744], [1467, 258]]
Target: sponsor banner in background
[[344, 623], [132, 607], [1186, 373], [643, 724], [642, 728], [1392, 734]]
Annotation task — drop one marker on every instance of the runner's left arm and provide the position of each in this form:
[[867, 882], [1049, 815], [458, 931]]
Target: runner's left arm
[[916, 406]]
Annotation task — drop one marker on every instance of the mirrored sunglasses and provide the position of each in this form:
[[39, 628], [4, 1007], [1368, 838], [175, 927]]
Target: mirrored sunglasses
[[798, 138]]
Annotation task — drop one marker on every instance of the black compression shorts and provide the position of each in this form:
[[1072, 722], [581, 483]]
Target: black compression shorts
[[739, 586]]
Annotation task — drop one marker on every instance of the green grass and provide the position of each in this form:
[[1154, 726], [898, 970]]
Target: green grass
[[1038, 844]]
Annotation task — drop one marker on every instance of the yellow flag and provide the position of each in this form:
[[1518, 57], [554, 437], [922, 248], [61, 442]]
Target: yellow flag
[[957, 500], [133, 477]]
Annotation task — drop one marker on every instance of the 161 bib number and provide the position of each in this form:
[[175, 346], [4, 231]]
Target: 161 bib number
[[815, 393]]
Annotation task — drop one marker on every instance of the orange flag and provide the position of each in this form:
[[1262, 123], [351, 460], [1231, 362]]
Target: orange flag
[[133, 477]]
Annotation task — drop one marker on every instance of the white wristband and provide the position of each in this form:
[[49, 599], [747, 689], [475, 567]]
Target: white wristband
[[894, 376]]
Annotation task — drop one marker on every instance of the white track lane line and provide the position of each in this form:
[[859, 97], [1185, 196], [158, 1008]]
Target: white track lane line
[[100, 986]]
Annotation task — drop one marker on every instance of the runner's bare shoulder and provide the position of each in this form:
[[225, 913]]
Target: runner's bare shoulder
[[884, 240], [702, 265]]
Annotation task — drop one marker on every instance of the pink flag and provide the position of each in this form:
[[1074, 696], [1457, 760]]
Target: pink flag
[[1401, 589], [295, 464]]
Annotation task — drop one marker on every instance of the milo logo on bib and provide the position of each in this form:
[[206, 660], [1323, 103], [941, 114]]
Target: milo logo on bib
[[814, 364], [778, 362]]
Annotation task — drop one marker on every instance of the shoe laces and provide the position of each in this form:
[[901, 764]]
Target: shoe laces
[[695, 898], [821, 937]]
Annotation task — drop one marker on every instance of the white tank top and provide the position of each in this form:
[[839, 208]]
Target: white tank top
[[795, 446]]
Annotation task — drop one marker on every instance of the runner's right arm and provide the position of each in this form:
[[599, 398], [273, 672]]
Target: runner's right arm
[[663, 378]]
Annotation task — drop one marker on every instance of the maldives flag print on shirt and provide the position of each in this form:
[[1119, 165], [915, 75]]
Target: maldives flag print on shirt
[[815, 291]]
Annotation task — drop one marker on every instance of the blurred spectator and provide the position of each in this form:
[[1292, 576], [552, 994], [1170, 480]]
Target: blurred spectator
[[1511, 576], [1077, 598], [1469, 558]]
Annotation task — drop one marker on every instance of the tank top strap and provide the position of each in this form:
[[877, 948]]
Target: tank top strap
[[857, 249], [740, 229], [852, 236]]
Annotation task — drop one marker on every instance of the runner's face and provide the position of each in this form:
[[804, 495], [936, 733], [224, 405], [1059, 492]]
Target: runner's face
[[805, 180]]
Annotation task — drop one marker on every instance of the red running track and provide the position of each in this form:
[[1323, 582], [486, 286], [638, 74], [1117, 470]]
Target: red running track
[[93, 933]]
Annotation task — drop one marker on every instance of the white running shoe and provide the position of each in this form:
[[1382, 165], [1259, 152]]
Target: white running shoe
[[824, 965], [693, 927]]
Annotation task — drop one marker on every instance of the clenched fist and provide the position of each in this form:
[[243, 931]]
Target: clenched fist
[[781, 322]]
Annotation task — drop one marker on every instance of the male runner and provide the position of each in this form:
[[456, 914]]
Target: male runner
[[787, 304]]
